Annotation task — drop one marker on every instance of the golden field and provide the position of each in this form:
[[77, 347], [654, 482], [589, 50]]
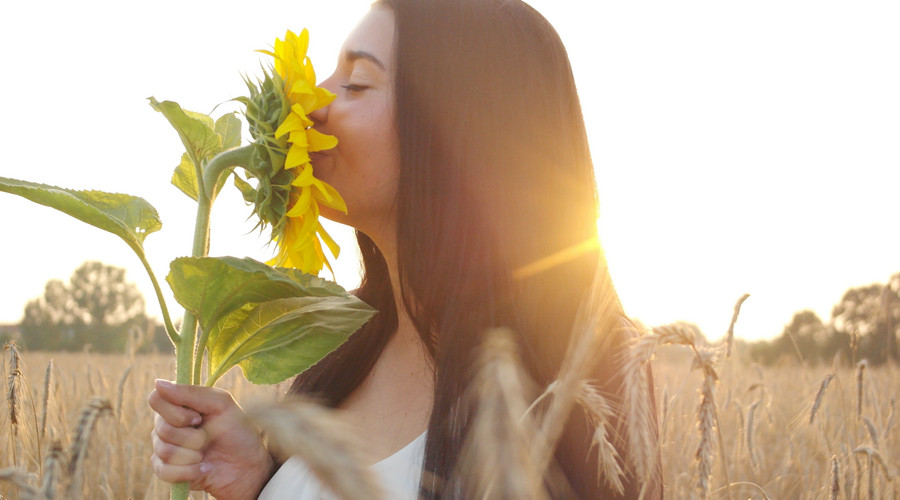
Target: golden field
[[764, 445]]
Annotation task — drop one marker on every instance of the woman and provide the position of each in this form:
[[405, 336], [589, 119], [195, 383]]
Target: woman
[[464, 163]]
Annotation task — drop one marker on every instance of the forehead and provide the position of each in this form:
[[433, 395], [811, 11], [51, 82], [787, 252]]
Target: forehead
[[374, 34]]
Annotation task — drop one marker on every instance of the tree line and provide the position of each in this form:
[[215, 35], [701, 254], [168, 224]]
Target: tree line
[[100, 309], [865, 324], [97, 309]]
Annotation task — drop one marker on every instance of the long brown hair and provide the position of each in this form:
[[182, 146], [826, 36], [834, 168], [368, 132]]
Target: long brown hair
[[495, 175]]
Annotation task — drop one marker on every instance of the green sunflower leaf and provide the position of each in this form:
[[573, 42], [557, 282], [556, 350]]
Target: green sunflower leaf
[[251, 310], [200, 138], [278, 339], [195, 129], [214, 287], [128, 217], [185, 177], [229, 129]]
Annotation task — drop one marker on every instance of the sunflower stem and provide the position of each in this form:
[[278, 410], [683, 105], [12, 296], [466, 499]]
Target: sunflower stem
[[188, 353], [237, 157], [167, 320]]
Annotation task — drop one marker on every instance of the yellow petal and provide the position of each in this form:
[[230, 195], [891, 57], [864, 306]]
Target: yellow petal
[[305, 176], [319, 141], [329, 196], [291, 123], [335, 249], [302, 204], [296, 157]]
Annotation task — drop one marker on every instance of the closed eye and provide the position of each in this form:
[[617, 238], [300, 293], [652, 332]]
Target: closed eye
[[354, 88]]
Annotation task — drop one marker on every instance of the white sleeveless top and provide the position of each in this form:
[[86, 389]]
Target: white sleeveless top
[[398, 475]]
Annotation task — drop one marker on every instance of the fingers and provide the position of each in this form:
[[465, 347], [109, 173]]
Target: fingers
[[205, 400], [185, 437], [175, 414], [172, 454], [177, 473]]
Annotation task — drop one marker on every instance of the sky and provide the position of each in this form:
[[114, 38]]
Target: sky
[[740, 147]]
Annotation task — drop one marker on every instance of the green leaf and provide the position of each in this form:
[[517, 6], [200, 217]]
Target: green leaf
[[128, 217], [185, 177], [195, 129], [229, 129], [213, 287], [313, 285], [252, 310], [278, 339]]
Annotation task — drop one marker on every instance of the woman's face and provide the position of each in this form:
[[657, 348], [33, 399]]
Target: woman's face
[[364, 166]]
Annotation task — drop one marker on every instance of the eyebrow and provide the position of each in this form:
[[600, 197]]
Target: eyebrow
[[354, 55]]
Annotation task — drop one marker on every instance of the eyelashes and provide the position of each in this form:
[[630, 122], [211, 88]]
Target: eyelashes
[[354, 88]]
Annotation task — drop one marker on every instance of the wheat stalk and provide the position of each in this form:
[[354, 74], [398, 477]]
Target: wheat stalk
[[637, 408], [890, 420], [497, 460], [22, 480], [835, 479], [95, 408], [860, 385], [706, 423], [729, 338], [819, 396], [53, 470], [328, 445], [751, 451], [121, 391], [873, 433], [594, 327], [13, 400], [600, 413], [48, 375]]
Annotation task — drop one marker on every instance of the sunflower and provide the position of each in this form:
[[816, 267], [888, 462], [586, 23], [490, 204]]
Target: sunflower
[[293, 211]]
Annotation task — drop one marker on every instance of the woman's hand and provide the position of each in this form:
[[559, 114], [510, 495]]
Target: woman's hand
[[201, 437]]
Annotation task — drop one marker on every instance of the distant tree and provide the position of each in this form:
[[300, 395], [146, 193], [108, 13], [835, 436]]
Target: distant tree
[[97, 307], [870, 315], [805, 334]]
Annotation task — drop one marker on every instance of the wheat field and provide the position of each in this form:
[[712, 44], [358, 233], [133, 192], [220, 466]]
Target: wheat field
[[80, 422]]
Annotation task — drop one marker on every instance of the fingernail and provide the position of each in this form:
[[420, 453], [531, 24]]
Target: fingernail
[[196, 421], [205, 468], [164, 383]]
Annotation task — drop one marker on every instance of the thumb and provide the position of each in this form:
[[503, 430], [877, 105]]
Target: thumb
[[206, 400]]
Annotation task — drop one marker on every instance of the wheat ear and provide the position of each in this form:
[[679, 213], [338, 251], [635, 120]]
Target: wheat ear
[[751, 451], [95, 408], [706, 423], [819, 395], [730, 336], [13, 400], [121, 391], [860, 385], [22, 480], [45, 402], [600, 413], [598, 316], [326, 443], [496, 460], [53, 466], [835, 479]]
